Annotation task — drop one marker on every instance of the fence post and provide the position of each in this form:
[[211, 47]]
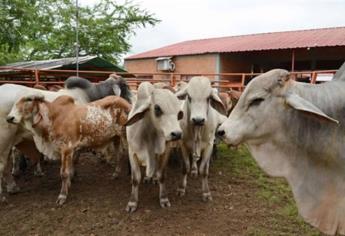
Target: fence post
[[172, 80], [313, 77], [242, 81], [37, 77]]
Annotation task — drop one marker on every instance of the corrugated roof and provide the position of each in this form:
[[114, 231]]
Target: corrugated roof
[[65, 63], [325, 37]]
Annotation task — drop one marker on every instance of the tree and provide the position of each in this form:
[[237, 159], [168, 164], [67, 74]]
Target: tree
[[45, 29]]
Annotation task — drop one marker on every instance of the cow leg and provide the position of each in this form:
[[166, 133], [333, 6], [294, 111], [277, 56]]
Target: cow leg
[[136, 178], [194, 171], [11, 186], [66, 173], [118, 152], [181, 190], [7, 135], [161, 175], [38, 169], [204, 171], [15, 156]]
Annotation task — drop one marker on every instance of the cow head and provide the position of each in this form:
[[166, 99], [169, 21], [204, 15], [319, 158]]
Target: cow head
[[161, 107], [199, 96], [26, 109], [267, 100]]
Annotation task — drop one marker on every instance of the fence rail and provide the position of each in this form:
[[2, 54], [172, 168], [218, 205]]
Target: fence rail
[[223, 81]]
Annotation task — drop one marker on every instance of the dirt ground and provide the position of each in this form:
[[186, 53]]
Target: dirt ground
[[96, 204]]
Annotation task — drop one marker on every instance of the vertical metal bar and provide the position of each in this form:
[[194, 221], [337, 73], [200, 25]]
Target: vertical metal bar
[[77, 36], [293, 61], [243, 81], [313, 77], [37, 77]]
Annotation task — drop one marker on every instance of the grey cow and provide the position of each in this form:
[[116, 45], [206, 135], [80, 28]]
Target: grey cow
[[297, 131], [152, 130], [199, 125]]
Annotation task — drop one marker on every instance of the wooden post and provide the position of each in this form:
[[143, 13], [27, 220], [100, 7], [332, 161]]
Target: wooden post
[[37, 77], [172, 80], [313, 77], [293, 61], [242, 81]]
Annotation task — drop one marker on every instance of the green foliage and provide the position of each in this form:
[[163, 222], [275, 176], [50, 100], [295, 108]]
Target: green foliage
[[45, 29]]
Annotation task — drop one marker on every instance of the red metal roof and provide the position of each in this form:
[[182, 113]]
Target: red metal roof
[[325, 37]]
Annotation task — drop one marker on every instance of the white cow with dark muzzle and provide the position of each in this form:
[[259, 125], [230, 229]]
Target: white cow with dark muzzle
[[152, 129], [199, 124], [297, 131]]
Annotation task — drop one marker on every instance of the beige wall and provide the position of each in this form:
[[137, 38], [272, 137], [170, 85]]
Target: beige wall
[[184, 64]]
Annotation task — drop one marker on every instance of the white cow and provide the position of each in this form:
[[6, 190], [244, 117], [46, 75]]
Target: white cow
[[152, 129], [297, 131], [199, 124]]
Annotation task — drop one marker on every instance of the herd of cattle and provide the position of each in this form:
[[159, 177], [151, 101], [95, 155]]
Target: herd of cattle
[[293, 130]]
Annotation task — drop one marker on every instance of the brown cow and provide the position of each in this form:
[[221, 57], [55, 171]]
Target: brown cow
[[61, 128], [229, 99]]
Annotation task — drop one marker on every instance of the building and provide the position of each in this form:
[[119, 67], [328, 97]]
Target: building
[[57, 70], [303, 50]]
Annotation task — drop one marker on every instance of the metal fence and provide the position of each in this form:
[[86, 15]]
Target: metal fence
[[223, 81]]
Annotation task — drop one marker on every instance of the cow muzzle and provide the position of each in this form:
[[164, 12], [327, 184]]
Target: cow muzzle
[[176, 135], [198, 121], [10, 119], [221, 133]]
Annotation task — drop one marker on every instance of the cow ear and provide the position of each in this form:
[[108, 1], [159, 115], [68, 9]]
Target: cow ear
[[300, 104], [36, 97], [217, 103], [182, 94], [117, 90], [37, 113], [36, 118], [138, 113]]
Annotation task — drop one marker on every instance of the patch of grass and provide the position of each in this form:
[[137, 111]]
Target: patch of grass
[[275, 192]]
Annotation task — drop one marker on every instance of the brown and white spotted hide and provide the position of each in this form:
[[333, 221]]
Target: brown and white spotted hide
[[60, 128]]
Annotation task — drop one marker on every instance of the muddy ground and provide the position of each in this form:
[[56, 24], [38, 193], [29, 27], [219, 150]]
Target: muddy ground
[[96, 204]]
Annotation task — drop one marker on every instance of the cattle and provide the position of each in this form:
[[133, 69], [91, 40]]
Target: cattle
[[297, 131], [180, 85], [152, 130], [19, 160], [201, 118], [12, 135], [114, 85], [61, 128]]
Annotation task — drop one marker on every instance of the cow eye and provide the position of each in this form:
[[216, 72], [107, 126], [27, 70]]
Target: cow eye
[[158, 110], [180, 115], [256, 102]]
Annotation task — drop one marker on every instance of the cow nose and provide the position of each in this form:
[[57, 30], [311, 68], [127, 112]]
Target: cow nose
[[198, 121], [221, 133], [176, 135], [10, 119]]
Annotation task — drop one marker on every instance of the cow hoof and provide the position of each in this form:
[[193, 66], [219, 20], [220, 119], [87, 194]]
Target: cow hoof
[[155, 180], [194, 173], [164, 202], [147, 180], [12, 189], [61, 199], [16, 173], [131, 207], [115, 175], [181, 192], [3, 199], [206, 197], [38, 173]]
